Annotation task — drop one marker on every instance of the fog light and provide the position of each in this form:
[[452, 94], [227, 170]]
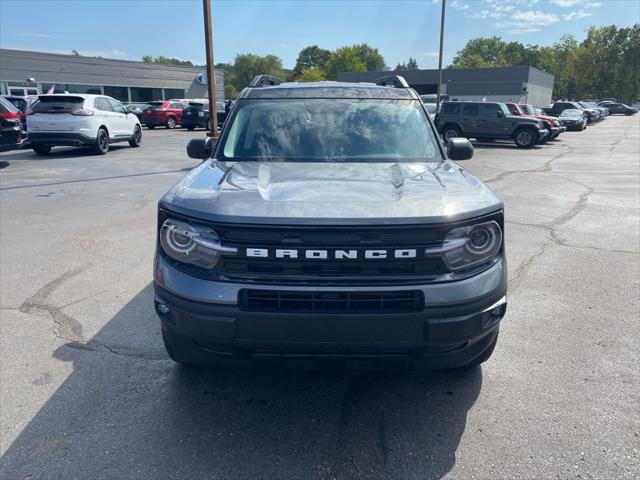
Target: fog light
[[162, 308], [496, 312]]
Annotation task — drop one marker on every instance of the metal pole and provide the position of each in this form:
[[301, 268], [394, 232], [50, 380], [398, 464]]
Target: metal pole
[[211, 76], [440, 57]]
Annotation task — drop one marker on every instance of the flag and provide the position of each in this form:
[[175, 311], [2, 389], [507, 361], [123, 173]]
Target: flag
[[51, 89]]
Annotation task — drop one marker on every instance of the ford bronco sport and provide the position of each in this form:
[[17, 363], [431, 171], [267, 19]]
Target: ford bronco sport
[[328, 227]]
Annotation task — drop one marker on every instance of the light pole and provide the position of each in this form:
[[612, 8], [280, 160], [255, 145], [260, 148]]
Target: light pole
[[211, 75], [440, 57]]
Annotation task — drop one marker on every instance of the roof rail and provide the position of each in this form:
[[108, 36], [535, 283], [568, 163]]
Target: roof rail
[[264, 81], [392, 81]]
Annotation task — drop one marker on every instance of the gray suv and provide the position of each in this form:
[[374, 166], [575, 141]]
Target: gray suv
[[315, 235], [486, 121]]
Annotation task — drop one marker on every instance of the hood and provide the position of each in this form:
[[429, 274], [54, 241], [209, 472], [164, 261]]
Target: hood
[[525, 119], [330, 193]]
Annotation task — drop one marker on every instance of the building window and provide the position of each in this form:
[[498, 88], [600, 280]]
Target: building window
[[173, 93], [139, 94], [94, 89], [119, 93]]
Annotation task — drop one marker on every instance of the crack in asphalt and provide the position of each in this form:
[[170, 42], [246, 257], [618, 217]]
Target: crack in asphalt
[[546, 167], [69, 329]]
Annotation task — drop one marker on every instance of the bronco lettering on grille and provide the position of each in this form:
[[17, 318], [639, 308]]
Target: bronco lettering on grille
[[319, 254]]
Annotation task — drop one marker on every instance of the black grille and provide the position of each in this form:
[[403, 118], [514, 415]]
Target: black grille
[[330, 302]]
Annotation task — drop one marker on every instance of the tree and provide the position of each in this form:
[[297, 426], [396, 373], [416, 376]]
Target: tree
[[412, 64], [311, 74], [310, 57], [75, 53], [401, 67], [161, 59], [248, 65], [371, 57], [343, 59]]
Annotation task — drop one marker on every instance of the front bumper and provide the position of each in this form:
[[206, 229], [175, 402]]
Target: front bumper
[[458, 322]]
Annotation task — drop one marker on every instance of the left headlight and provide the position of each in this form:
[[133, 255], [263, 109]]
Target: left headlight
[[191, 243], [469, 246]]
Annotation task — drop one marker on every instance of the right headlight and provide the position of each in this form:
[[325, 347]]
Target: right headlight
[[191, 243], [466, 247]]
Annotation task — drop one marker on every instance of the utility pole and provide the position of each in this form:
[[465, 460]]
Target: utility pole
[[440, 57], [211, 74]]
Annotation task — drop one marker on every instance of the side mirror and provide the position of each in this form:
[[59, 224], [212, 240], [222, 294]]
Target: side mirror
[[499, 114], [459, 149], [201, 148]]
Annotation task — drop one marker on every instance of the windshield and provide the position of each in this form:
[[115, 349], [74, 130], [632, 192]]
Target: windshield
[[528, 109], [572, 112], [58, 104], [329, 130]]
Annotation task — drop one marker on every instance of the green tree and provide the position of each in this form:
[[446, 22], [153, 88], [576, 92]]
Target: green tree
[[371, 57], [310, 57], [412, 64], [401, 67], [147, 59], [75, 53], [248, 65], [343, 59], [161, 59], [311, 74]]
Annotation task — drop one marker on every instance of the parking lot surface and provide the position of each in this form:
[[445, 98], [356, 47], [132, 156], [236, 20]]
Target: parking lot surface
[[87, 390]]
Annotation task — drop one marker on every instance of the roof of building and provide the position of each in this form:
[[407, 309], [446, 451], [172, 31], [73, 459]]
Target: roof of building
[[19, 65]]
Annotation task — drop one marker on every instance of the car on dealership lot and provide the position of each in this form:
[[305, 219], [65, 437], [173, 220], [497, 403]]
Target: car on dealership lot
[[488, 121], [137, 108], [167, 113], [558, 107], [305, 238], [11, 133], [431, 110], [550, 123], [23, 104], [197, 115], [621, 108], [573, 119], [81, 120]]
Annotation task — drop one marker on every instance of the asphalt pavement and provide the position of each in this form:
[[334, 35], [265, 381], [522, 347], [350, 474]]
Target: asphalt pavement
[[87, 391]]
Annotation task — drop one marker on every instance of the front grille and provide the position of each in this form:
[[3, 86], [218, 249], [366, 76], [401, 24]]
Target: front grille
[[283, 301]]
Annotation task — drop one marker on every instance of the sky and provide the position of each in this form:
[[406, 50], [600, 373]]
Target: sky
[[399, 29]]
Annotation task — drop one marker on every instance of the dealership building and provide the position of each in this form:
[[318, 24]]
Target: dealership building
[[31, 73], [520, 84]]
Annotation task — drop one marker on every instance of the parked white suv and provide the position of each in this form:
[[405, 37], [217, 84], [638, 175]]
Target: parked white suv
[[81, 120]]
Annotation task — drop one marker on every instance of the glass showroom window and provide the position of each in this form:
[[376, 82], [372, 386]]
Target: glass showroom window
[[119, 93]]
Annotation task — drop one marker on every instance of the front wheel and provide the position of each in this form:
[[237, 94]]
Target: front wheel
[[525, 138], [171, 123], [102, 142], [151, 127], [41, 149], [136, 138]]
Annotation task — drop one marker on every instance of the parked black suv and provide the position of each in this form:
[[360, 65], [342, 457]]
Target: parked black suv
[[11, 133], [315, 234], [197, 115], [487, 121], [620, 108]]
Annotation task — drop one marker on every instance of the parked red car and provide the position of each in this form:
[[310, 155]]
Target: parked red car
[[164, 112], [551, 123]]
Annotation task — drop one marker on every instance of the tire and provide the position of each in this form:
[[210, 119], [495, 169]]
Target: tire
[[101, 146], [171, 123], [151, 127], [136, 138], [190, 128], [525, 138], [484, 356], [41, 149], [450, 131], [207, 127]]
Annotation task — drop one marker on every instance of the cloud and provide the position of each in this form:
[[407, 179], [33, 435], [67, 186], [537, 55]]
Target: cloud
[[592, 4], [458, 5], [35, 35], [519, 31], [536, 17], [284, 45], [576, 15], [565, 3]]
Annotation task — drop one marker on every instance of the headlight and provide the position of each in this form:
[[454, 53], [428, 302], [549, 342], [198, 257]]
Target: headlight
[[466, 247], [189, 243]]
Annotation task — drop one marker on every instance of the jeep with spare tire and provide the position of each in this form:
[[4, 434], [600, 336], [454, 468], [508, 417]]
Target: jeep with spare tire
[[329, 227], [488, 121]]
